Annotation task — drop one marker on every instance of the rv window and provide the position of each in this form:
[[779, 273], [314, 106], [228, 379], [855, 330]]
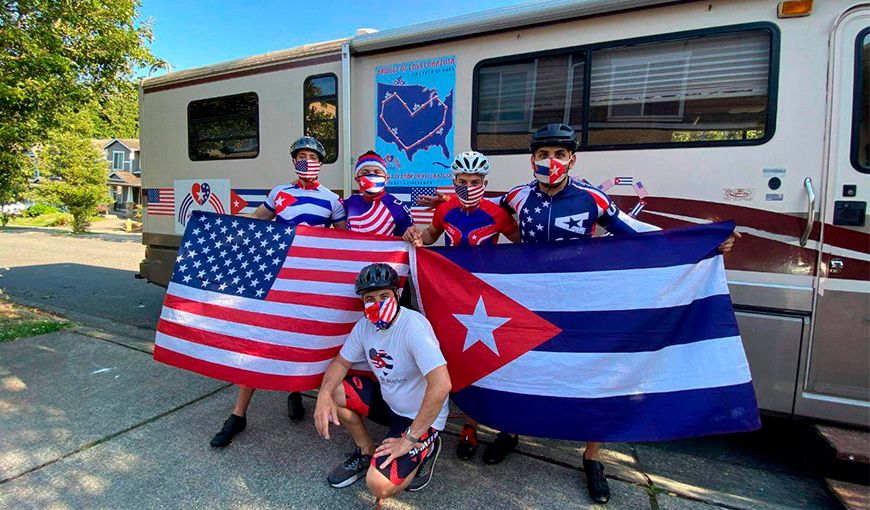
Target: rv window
[[320, 105], [224, 127], [711, 88], [514, 98], [861, 121]]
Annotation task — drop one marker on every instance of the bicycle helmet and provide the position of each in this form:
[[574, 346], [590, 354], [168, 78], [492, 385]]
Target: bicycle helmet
[[307, 142], [375, 277], [560, 135], [470, 162]]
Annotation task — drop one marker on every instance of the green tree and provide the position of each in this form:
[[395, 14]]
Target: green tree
[[58, 56], [75, 170]]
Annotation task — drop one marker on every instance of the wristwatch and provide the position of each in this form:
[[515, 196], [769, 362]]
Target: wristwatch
[[410, 437]]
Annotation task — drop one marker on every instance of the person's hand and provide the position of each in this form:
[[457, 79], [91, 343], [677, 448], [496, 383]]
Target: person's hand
[[726, 246], [325, 412], [393, 448], [413, 236], [431, 201]]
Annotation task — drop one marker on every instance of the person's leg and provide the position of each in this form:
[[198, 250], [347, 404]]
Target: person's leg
[[503, 444], [356, 398], [596, 482], [353, 422], [295, 409], [401, 473], [467, 445], [237, 420]]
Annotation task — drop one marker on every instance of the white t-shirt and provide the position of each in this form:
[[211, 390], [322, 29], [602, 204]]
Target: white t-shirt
[[400, 357]]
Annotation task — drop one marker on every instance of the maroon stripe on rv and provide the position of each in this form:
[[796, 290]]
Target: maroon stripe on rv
[[247, 72]]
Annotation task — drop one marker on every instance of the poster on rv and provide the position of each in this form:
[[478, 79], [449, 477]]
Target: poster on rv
[[211, 195], [414, 122]]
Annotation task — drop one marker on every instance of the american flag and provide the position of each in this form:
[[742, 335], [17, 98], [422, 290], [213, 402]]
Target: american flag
[[160, 201], [308, 169], [377, 220], [640, 190], [263, 304], [420, 214]]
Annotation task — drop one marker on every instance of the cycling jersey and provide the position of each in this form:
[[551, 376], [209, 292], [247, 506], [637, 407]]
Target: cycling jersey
[[571, 213], [312, 205], [382, 215], [472, 227]]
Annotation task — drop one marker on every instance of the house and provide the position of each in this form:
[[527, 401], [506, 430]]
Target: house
[[122, 158]]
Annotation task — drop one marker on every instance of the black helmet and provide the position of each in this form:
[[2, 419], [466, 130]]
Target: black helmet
[[376, 276], [307, 142], [560, 135]]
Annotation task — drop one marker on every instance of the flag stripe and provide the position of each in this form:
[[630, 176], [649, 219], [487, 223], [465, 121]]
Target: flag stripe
[[657, 287], [316, 287], [237, 375], [323, 275], [310, 299], [641, 330], [632, 251], [231, 358], [305, 264], [245, 346], [704, 364], [389, 244], [253, 333], [260, 319], [617, 419], [396, 257], [255, 305]]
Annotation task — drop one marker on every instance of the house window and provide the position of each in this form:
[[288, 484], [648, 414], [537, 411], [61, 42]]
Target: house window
[[698, 88], [117, 160], [320, 117], [224, 127]]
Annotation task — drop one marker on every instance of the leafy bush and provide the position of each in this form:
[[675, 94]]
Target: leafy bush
[[62, 220], [39, 209]]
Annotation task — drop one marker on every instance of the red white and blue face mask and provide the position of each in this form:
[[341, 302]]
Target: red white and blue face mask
[[307, 169], [469, 196], [550, 171], [382, 313], [373, 184]]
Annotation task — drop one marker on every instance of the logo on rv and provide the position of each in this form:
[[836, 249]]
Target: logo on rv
[[199, 195]]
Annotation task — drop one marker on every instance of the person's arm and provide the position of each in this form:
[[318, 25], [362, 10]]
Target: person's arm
[[420, 238], [338, 215], [437, 389], [340, 225], [326, 410], [261, 213]]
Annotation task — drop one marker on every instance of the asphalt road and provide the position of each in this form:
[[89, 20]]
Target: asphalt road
[[90, 278]]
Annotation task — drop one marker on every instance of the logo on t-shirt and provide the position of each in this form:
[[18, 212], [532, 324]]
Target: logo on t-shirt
[[381, 360]]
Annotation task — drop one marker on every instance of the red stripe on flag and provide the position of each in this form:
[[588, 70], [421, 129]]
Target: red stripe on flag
[[263, 320], [353, 304], [244, 345], [333, 233], [237, 375], [396, 257], [322, 275]]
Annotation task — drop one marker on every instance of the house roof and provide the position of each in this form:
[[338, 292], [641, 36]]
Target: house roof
[[130, 143], [125, 179]]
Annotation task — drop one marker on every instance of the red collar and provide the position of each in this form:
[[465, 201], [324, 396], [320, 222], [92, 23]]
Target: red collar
[[303, 185], [372, 198]]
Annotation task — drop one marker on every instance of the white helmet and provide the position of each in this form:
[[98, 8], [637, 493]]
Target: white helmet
[[470, 162]]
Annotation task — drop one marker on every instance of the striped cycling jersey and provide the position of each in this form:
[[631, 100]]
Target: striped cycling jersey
[[382, 215], [305, 205], [571, 213]]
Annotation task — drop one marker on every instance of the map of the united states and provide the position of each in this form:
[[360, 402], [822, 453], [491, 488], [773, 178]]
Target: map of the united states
[[414, 117]]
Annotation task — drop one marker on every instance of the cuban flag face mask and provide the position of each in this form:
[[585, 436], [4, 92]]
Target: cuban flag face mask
[[382, 313], [372, 184], [550, 171]]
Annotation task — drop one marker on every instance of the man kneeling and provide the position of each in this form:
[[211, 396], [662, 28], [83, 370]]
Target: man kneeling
[[409, 396]]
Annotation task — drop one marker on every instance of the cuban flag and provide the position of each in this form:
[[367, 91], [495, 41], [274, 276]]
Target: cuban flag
[[627, 338]]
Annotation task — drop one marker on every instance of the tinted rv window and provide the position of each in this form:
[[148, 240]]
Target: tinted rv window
[[223, 127], [697, 90], [515, 97], [861, 122], [320, 105]]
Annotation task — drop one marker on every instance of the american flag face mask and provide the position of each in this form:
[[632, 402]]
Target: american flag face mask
[[469, 196], [382, 313], [307, 169]]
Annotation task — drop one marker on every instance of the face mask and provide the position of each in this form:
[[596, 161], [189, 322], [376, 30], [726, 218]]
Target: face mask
[[382, 313], [469, 196], [372, 183], [307, 169], [550, 171]]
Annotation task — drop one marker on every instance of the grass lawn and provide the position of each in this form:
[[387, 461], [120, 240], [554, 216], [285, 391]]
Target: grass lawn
[[43, 220], [18, 321]]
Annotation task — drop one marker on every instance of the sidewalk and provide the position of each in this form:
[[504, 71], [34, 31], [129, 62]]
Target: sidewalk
[[90, 420]]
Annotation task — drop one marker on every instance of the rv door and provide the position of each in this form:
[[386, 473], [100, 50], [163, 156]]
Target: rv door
[[836, 379]]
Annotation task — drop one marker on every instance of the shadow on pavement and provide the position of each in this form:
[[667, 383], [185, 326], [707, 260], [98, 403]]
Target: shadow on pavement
[[103, 236]]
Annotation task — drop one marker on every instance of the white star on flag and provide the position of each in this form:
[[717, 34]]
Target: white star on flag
[[480, 327]]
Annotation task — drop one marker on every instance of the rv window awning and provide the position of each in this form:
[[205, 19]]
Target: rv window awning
[[493, 20]]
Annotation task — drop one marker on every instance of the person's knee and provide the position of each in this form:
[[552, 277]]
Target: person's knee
[[380, 486], [339, 397]]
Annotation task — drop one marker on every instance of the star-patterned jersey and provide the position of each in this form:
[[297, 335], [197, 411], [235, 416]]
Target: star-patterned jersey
[[315, 205], [572, 213], [383, 215], [471, 228]]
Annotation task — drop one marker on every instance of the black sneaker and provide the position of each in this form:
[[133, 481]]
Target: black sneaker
[[295, 410], [596, 483], [498, 450], [427, 467], [232, 426], [467, 446], [351, 470]]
